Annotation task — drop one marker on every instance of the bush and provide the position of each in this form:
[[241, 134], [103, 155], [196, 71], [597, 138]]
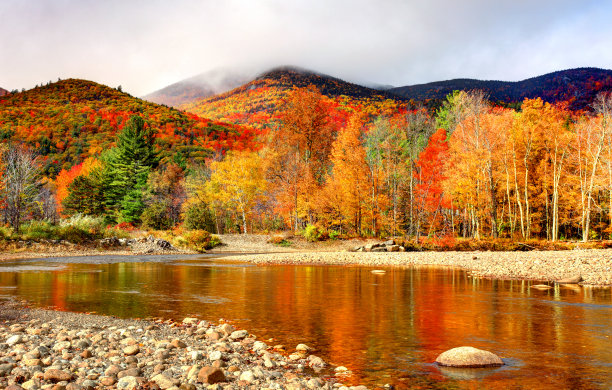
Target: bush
[[199, 240], [312, 233], [280, 241], [111, 231], [156, 217], [38, 230], [334, 234], [77, 235], [88, 223], [198, 217], [5, 233]]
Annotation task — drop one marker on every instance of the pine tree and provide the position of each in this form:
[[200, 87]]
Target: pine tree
[[129, 165]]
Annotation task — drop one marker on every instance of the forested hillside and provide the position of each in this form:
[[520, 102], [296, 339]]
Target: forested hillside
[[258, 102], [577, 87], [67, 121]]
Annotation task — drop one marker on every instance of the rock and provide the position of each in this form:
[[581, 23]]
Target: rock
[[247, 376], [393, 248], [211, 375], [215, 355], [468, 357], [238, 334], [190, 321], [127, 383], [259, 346], [54, 376], [315, 362], [573, 280], [303, 348], [227, 329], [380, 249], [107, 381], [86, 354], [541, 286], [112, 370], [164, 382], [13, 340], [131, 350], [178, 343], [389, 243], [5, 369]]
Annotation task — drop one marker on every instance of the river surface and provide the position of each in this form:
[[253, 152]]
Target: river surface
[[385, 328]]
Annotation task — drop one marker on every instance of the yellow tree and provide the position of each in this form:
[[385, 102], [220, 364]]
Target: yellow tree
[[350, 171], [237, 182]]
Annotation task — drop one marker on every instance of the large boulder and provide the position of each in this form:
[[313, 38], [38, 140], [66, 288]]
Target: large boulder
[[468, 357]]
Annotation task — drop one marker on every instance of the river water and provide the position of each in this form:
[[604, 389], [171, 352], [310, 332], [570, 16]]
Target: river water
[[385, 328]]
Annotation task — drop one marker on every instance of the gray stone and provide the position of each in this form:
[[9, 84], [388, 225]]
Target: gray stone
[[127, 383], [238, 334], [13, 340], [468, 357], [247, 376], [165, 382]]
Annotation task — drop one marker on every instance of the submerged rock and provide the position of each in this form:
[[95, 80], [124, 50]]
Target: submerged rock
[[468, 357], [572, 280]]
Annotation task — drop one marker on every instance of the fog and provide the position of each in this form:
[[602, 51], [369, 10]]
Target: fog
[[146, 45]]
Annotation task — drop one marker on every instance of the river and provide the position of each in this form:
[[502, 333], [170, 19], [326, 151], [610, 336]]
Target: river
[[386, 328]]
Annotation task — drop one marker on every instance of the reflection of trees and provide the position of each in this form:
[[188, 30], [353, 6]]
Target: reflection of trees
[[374, 324]]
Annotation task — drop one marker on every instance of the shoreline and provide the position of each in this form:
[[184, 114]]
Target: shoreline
[[40, 347], [594, 266]]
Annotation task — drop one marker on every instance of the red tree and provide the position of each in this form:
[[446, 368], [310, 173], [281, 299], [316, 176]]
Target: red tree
[[430, 175]]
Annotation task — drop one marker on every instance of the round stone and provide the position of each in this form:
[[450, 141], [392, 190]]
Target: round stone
[[468, 357]]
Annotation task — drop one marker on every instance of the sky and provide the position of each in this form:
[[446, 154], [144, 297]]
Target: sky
[[145, 45]]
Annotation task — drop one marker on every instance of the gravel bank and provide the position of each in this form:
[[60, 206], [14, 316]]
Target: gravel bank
[[593, 265], [41, 349]]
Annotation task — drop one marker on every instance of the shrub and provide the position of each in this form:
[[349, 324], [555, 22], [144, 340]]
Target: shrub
[[199, 240], [280, 241], [38, 230], [94, 225], [312, 233], [334, 234], [5, 233], [156, 216], [198, 217], [112, 231], [77, 235]]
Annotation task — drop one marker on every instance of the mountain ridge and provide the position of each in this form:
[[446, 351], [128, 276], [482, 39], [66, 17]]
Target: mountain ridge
[[577, 86]]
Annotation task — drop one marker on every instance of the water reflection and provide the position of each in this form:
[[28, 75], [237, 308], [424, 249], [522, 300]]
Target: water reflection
[[385, 328]]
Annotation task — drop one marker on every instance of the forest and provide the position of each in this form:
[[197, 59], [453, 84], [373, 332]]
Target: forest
[[469, 169]]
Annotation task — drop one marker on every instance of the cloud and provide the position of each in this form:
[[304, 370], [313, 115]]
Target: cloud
[[145, 45]]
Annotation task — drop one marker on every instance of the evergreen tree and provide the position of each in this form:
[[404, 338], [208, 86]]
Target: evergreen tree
[[85, 195], [129, 165]]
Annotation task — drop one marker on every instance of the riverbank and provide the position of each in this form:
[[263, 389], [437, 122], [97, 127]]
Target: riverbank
[[39, 348], [594, 266]]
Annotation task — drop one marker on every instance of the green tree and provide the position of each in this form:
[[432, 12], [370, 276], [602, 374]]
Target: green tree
[[129, 165], [85, 195]]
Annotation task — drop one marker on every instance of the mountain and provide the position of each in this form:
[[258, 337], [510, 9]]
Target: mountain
[[257, 103], [3, 92], [198, 87], [576, 86], [73, 119]]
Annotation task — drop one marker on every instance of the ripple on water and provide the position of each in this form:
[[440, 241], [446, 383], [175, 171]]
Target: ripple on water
[[210, 299], [32, 268]]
